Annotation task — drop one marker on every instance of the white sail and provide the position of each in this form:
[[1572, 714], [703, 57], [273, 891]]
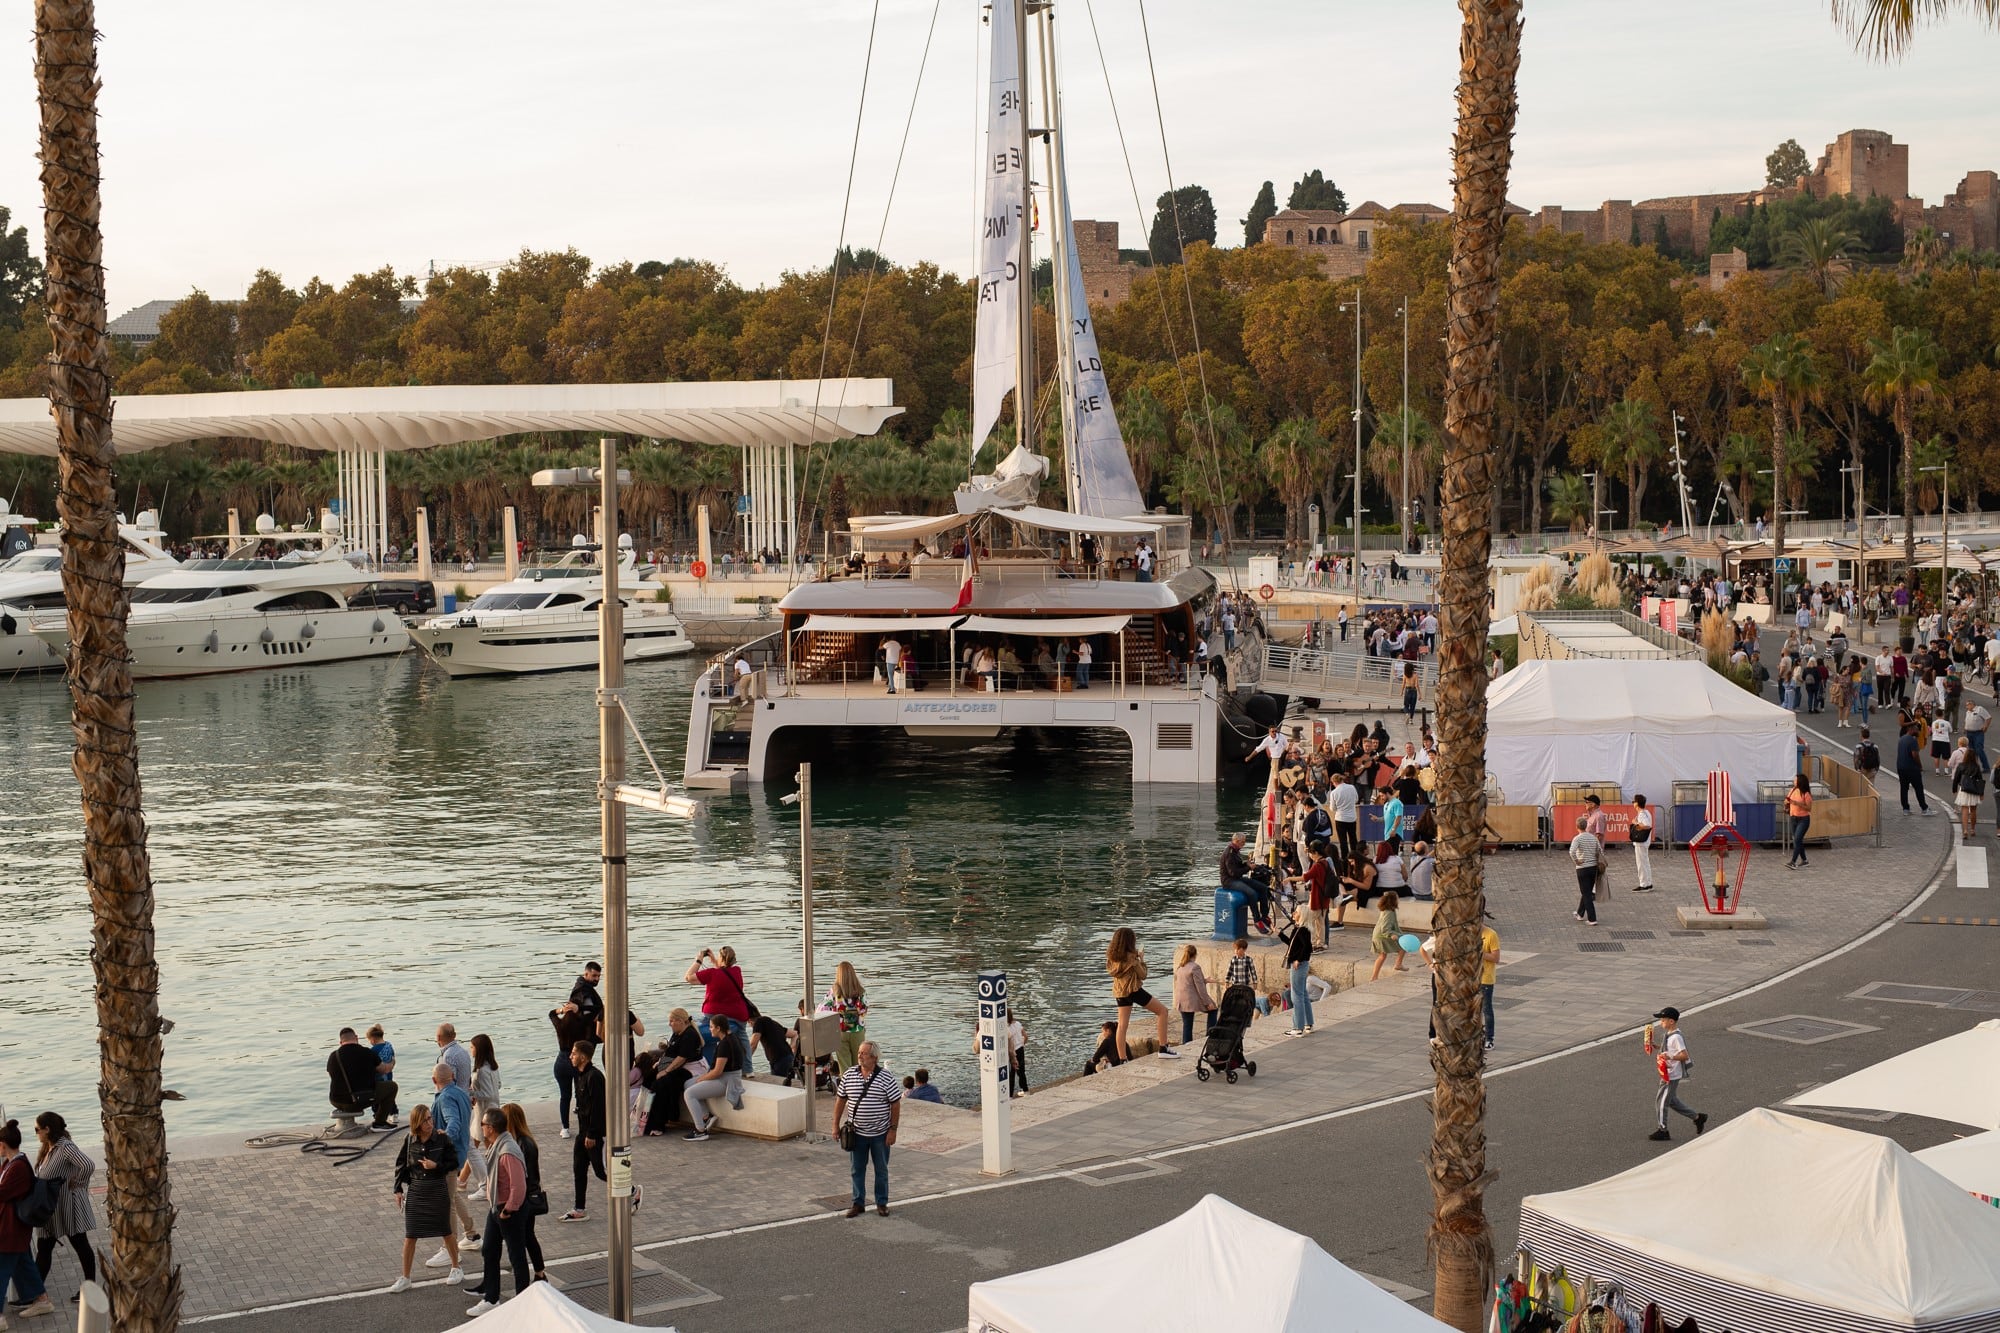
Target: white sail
[[1003, 231], [1105, 486]]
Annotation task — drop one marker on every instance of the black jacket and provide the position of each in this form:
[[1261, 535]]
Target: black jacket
[[590, 1102], [437, 1147]]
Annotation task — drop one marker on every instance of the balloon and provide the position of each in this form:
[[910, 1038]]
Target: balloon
[[1410, 943]]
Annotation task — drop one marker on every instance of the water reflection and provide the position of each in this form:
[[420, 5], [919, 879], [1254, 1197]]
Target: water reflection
[[367, 841]]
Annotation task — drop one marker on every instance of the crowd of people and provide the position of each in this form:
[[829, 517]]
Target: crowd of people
[[467, 1146]]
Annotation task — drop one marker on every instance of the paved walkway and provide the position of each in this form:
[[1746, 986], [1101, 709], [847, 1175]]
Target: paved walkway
[[263, 1228]]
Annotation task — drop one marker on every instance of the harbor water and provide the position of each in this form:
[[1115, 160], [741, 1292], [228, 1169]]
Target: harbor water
[[368, 842]]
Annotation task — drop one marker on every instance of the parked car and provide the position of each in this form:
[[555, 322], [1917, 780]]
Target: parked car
[[406, 597]]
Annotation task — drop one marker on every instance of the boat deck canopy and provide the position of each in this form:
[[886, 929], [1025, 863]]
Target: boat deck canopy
[[1056, 520], [876, 624], [1044, 625]]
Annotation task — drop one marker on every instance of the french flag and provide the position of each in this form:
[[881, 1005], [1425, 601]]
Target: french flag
[[965, 587]]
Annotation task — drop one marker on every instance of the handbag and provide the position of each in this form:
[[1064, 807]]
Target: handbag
[[846, 1134], [749, 1006]]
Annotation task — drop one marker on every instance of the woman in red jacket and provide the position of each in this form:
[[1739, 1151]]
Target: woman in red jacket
[[17, 1264]]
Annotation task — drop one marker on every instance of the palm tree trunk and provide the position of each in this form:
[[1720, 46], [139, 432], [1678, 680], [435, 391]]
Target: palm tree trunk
[[141, 1278], [1779, 485], [1460, 1241], [1903, 428]]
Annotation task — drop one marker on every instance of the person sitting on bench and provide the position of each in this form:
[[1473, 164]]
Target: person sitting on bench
[[353, 1086]]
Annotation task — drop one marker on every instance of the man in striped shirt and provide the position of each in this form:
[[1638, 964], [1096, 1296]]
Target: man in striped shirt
[[1584, 851], [871, 1098]]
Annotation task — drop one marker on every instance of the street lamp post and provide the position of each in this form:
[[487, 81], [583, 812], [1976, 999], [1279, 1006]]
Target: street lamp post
[[1680, 480], [612, 847], [1594, 536], [807, 1056], [1860, 533], [1356, 305], [1944, 518]]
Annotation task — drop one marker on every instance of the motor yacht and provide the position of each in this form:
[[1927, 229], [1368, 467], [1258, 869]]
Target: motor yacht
[[31, 583], [546, 620], [277, 598]]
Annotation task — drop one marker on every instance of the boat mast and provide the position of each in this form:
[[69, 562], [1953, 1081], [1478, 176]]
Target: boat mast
[[1059, 245], [1024, 360]]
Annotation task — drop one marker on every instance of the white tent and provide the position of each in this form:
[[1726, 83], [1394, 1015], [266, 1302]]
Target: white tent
[[1777, 1224], [1955, 1079], [1641, 724], [1230, 1269], [1972, 1164], [543, 1309]]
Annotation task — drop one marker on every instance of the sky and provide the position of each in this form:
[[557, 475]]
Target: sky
[[326, 140]]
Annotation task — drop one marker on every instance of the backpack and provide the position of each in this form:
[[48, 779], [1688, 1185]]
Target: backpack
[[1866, 757], [37, 1208]]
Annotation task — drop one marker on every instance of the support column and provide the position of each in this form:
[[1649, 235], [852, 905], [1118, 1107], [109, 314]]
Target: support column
[[424, 543], [509, 534], [235, 526]]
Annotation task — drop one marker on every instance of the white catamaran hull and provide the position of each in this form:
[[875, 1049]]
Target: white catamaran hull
[[249, 642], [465, 647]]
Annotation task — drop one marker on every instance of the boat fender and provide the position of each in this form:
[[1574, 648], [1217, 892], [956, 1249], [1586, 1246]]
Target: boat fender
[[213, 643], [6, 623], [307, 631], [266, 636], [377, 627]]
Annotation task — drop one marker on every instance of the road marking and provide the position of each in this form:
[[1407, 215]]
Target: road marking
[[1955, 921], [1903, 915], [1971, 867]]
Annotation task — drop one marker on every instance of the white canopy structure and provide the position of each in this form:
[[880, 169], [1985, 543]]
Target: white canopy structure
[[1777, 1224], [1641, 724], [1229, 1269], [1972, 1164], [767, 419], [1955, 1079], [543, 1309]]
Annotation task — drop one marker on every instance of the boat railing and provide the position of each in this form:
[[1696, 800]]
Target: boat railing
[[718, 679], [1118, 680]]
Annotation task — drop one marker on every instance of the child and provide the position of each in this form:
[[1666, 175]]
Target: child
[[918, 1087], [1388, 935]]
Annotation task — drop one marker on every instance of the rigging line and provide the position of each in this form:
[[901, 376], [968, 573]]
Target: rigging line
[[875, 256], [846, 203], [1187, 283], [1153, 260]]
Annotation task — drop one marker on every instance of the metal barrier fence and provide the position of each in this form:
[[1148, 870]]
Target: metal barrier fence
[[1319, 671]]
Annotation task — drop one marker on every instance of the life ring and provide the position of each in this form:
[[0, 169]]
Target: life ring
[[1267, 592], [699, 569]]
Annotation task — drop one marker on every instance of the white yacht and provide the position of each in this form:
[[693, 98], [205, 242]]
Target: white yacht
[[546, 620], [277, 598], [31, 582]]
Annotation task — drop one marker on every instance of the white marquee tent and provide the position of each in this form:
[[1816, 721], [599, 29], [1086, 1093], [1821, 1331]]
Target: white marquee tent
[[1972, 1164], [543, 1309], [1641, 724], [1230, 1269], [1777, 1224], [1956, 1079]]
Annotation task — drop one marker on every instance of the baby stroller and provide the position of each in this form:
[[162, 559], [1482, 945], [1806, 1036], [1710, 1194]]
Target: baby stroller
[[1223, 1051]]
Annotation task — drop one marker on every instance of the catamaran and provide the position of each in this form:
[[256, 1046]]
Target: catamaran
[[1009, 612]]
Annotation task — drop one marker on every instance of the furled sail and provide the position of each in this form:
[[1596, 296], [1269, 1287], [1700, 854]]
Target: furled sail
[[1003, 231], [1105, 486]]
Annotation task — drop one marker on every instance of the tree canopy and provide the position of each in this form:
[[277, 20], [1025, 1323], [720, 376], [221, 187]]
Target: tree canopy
[[1786, 164], [1262, 209], [1314, 190], [1181, 216]]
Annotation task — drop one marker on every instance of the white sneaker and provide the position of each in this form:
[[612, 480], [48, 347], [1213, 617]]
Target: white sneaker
[[478, 1195], [565, 1132], [480, 1309], [1295, 1032], [1169, 1053], [454, 1277], [401, 1284], [438, 1260]]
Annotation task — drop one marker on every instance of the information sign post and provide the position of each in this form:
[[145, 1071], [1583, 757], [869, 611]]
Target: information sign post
[[994, 1061]]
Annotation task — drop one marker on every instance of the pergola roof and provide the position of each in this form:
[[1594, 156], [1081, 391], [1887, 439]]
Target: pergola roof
[[739, 412]]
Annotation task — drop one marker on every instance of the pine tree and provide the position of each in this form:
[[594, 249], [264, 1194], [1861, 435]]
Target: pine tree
[[1314, 190], [1261, 212]]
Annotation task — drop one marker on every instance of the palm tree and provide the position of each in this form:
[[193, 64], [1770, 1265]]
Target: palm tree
[[1741, 456], [1628, 437], [1819, 246], [1385, 455], [1923, 249], [1460, 1240], [1148, 436], [1902, 373], [239, 482], [1291, 457], [1569, 500], [1889, 26], [144, 1285], [1932, 457], [1780, 369]]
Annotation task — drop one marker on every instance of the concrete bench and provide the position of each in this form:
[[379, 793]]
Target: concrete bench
[[770, 1111]]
